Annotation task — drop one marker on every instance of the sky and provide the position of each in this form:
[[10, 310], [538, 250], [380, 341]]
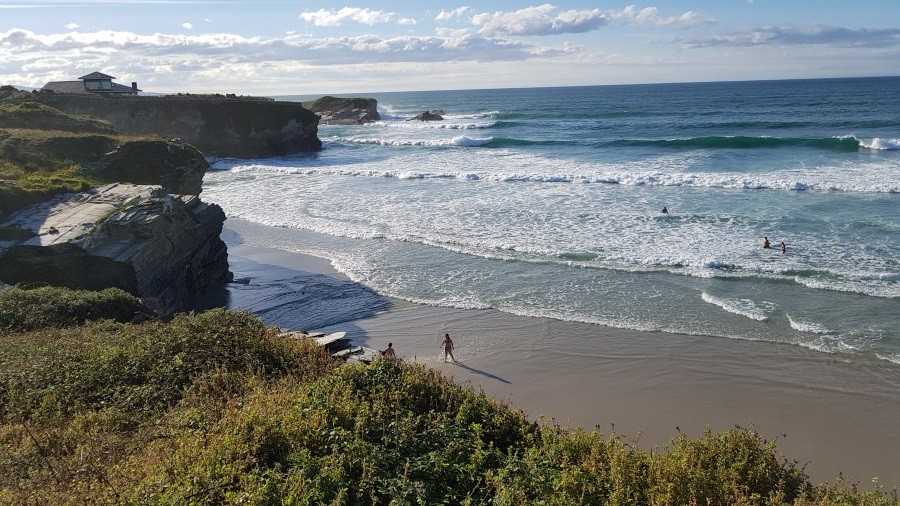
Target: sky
[[311, 47]]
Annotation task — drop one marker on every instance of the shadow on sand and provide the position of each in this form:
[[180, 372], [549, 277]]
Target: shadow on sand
[[479, 371]]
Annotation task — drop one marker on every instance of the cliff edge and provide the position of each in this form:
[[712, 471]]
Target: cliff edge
[[84, 206], [222, 126]]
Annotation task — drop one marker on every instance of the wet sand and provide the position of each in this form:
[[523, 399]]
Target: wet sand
[[838, 415]]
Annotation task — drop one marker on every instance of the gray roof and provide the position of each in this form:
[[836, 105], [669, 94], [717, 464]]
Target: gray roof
[[78, 87], [93, 76]]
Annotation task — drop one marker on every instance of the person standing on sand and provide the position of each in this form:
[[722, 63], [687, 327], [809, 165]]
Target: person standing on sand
[[783, 248], [448, 348], [765, 243], [389, 352]]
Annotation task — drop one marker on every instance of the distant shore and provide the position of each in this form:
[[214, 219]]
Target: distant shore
[[839, 416]]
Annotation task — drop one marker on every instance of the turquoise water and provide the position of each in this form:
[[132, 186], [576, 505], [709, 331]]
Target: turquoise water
[[547, 202]]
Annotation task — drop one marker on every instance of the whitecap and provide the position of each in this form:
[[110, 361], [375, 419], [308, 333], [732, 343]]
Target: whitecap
[[881, 144]]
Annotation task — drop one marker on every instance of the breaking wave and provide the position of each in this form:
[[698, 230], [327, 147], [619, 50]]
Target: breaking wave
[[743, 307], [881, 144], [748, 142]]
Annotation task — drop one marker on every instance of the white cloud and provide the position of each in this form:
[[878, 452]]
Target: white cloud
[[406, 21], [361, 15], [452, 13], [539, 20], [452, 32], [187, 26], [174, 51], [71, 26], [802, 36], [650, 16]]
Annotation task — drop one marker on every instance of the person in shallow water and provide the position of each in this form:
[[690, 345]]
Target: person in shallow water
[[389, 352], [766, 242], [448, 348], [665, 211], [783, 248]]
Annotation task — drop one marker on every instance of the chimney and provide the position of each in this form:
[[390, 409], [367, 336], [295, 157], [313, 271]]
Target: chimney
[[134, 86]]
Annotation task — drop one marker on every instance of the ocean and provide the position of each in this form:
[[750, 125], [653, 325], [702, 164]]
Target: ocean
[[547, 202]]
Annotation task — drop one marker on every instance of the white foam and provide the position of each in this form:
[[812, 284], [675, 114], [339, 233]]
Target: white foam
[[881, 144], [426, 125], [460, 141], [890, 357], [744, 307], [829, 344], [809, 327]]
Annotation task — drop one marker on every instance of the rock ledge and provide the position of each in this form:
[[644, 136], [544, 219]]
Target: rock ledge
[[164, 248]]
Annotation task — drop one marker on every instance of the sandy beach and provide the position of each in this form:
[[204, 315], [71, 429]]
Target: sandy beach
[[834, 414]]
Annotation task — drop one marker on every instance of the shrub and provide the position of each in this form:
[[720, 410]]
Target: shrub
[[22, 309], [215, 408]]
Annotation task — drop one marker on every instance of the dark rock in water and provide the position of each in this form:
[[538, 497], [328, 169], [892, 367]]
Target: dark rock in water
[[344, 111], [163, 248], [438, 111], [427, 116]]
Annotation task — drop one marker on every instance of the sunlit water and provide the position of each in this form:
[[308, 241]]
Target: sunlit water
[[547, 202]]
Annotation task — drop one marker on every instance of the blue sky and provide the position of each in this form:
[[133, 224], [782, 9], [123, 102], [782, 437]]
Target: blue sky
[[310, 47]]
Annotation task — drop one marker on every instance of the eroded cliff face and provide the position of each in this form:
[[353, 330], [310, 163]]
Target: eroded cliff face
[[241, 127], [162, 247]]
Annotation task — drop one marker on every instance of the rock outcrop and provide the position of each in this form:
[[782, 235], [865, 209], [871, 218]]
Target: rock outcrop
[[176, 166], [164, 248], [49, 155], [242, 127], [344, 111], [427, 116]]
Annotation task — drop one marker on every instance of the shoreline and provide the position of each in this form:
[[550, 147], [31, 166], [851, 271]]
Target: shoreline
[[839, 415]]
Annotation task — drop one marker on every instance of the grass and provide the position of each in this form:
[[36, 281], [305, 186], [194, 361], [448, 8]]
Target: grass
[[33, 115], [215, 408]]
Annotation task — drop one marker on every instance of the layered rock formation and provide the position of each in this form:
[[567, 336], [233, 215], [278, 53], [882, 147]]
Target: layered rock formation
[[162, 247], [241, 127], [345, 111]]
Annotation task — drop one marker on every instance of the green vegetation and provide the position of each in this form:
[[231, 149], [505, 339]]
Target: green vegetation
[[43, 150], [33, 115], [216, 408], [35, 165], [37, 308]]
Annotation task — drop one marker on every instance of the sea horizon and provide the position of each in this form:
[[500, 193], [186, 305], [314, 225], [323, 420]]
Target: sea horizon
[[295, 97]]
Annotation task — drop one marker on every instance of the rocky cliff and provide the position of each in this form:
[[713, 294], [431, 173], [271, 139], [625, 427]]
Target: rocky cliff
[[36, 164], [241, 127], [345, 111], [162, 247]]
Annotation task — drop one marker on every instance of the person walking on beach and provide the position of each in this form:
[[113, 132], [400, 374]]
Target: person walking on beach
[[389, 352], [783, 248], [765, 243], [448, 348]]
